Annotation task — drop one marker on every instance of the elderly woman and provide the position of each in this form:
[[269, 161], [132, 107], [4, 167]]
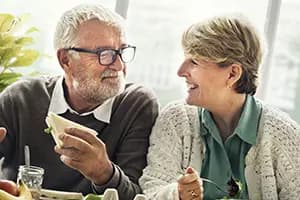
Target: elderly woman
[[222, 132]]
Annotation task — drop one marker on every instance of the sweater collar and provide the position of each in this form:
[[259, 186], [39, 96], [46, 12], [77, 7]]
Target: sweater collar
[[59, 105]]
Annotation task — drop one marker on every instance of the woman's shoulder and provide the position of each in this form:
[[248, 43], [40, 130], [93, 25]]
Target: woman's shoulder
[[178, 108], [178, 117], [278, 130], [273, 118]]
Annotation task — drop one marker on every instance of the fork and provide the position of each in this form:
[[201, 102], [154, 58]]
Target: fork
[[215, 184], [211, 182]]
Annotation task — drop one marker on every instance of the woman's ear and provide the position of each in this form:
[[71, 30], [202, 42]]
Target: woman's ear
[[235, 73], [63, 58]]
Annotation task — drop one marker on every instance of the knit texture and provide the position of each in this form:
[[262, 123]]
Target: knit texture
[[272, 165]]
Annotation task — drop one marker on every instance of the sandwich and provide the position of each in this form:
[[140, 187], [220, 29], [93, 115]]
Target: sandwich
[[57, 124]]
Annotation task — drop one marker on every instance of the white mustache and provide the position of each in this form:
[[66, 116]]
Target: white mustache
[[110, 73]]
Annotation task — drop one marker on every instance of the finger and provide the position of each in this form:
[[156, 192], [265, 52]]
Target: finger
[[188, 178], [191, 193], [70, 141], [89, 137], [2, 133], [69, 152], [74, 164], [190, 170]]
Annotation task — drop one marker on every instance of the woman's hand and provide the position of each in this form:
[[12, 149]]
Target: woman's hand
[[2, 133], [190, 186]]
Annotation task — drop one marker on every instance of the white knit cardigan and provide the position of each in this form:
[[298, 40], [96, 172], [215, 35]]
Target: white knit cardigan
[[272, 165]]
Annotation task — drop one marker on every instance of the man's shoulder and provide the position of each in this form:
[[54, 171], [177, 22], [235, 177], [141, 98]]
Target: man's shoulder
[[136, 94], [138, 91], [31, 85]]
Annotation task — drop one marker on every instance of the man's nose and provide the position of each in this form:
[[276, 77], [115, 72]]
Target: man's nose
[[118, 65]]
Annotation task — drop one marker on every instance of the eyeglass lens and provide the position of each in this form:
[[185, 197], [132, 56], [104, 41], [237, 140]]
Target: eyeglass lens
[[107, 57]]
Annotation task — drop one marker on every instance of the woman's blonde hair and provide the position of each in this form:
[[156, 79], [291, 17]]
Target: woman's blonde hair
[[227, 40]]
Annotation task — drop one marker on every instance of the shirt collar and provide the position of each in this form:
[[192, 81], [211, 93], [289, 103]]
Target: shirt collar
[[249, 120], [59, 105]]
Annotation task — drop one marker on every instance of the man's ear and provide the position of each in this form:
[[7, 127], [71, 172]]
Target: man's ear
[[235, 73], [63, 58]]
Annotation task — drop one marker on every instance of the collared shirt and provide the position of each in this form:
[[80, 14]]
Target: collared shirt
[[223, 160], [59, 105]]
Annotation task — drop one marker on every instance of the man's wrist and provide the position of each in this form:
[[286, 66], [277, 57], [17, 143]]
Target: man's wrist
[[112, 182], [106, 175]]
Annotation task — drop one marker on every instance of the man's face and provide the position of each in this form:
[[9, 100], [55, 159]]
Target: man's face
[[89, 79]]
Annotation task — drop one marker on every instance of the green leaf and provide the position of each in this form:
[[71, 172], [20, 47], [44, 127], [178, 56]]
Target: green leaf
[[8, 78], [48, 130], [93, 197], [12, 47], [24, 41], [7, 22], [6, 40], [25, 58], [9, 55], [31, 30]]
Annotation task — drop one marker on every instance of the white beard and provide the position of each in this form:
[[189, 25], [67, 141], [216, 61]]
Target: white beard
[[96, 91]]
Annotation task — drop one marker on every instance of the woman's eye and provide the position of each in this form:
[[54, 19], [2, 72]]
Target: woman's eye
[[193, 62]]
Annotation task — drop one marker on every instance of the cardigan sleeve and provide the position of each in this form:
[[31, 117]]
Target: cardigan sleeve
[[165, 155]]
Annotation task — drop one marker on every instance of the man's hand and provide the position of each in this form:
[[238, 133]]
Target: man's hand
[[84, 152], [2, 133], [190, 185]]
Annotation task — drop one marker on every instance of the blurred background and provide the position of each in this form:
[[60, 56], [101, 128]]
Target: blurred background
[[155, 27]]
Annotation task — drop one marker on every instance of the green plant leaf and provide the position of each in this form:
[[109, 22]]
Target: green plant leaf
[[6, 40], [93, 197], [7, 22], [9, 55], [48, 130], [24, 41], [12, 47], [8, 78], [25, 58], [31, 30]]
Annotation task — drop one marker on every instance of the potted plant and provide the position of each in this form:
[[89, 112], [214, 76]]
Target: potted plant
[[14, 50]]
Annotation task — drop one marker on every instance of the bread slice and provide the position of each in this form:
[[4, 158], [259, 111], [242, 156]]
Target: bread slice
[[47, 194], [57, 124]]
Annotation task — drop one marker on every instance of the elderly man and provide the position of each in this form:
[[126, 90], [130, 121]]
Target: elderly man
[[93, 52]]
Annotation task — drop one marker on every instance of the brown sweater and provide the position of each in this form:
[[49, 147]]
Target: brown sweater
[[23, 109]]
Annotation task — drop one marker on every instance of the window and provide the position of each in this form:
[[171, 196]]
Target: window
[[155, 27], [283, 89], [44, 15]]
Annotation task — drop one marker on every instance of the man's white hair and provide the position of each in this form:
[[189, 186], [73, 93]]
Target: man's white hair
[[65, 34]]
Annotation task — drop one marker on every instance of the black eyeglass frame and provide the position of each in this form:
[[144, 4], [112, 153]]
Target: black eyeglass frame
[[98, 52]]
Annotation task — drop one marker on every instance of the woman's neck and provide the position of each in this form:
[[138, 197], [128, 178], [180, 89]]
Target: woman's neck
[[227, 114]]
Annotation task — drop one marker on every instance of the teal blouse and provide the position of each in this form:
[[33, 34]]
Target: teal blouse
[[225, 160]]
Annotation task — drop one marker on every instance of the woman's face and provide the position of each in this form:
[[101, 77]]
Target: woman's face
[[207, 83]]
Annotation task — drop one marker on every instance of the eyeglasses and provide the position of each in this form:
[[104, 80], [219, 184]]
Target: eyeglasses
[[108, 56]]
